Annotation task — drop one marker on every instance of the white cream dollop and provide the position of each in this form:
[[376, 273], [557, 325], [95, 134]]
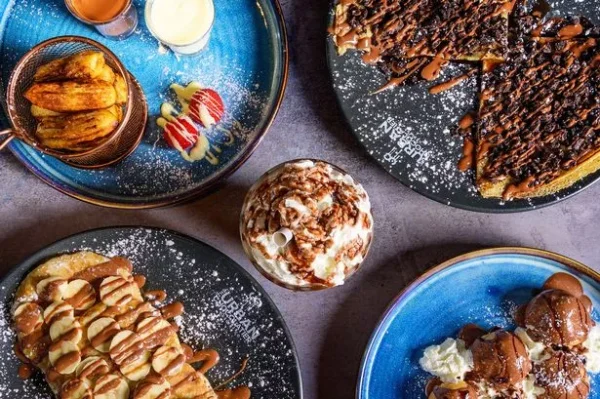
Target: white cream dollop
[[530, 389], [449, 361], [536, 350], [592, 354]]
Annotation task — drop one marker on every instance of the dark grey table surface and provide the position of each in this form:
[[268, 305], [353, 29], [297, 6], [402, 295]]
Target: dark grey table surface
[[412, 233]]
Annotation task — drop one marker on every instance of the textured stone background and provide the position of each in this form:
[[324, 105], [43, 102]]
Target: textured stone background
[[330, 328]]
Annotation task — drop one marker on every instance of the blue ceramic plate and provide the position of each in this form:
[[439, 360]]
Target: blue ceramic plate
[[483, 287], [245, 61]]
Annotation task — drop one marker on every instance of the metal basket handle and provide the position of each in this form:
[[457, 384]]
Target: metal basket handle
[[10, 134]]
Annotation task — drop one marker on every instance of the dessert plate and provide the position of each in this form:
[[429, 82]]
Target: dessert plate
[[225, 308], [246, 61], [483, 287], [408, 131]]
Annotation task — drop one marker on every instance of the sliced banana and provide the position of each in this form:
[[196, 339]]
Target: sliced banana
[[123, 345], [28, 317], [137, 366], [153, 387], [111, 386], [156, 331], [58, 310], [168, 360], [66, 329], [101, 332], [64, 357], [91, 368], [51, 289], [92, 313], [118, 291], [80, 294], [76, 389]]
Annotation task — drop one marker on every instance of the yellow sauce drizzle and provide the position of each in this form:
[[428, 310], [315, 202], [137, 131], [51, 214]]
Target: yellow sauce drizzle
[[203, 149]]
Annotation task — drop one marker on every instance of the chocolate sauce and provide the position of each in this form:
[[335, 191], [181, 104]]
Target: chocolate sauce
[[172, 310]]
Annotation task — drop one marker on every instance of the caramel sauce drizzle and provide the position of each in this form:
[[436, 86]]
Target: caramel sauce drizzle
[[172, 310], [156, 295], [209, 357]]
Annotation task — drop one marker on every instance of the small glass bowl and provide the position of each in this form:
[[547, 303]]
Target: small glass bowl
[[248, 249], [184, 49], [118, 28]]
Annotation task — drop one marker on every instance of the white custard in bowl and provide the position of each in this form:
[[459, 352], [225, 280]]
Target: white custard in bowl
[[183, 25]]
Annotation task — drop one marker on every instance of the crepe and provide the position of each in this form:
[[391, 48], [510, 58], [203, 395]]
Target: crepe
[[83, 320]]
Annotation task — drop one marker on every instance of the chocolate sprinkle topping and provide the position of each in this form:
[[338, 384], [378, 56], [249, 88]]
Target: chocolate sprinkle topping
[[540, 112]]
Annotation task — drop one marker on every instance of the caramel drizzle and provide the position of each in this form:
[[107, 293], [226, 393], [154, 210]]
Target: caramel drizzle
[[105, 334], [84, 296], [95, 368], [106, 387], [172, 310], [236, 375]]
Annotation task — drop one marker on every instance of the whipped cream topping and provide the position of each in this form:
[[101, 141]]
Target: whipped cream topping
[[326, 218], [592, 353], [449, 361], [536, 350]]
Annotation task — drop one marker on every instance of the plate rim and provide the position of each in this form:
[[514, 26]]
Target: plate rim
[[508, 250], [213, 182], [571, 191], [20, 266]]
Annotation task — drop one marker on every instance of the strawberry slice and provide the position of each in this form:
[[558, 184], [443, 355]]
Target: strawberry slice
[[206, 107], [181, 133]]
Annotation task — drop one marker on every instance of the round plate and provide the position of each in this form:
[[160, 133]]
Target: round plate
[[246, 61], [482, 287], [408, 131], [225, 308]]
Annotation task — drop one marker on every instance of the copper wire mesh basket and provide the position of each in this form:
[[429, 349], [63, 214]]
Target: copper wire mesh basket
[[19, 108]]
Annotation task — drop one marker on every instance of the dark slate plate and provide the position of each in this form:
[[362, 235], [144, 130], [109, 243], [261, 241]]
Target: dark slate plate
[[226, 309], [408, 131]]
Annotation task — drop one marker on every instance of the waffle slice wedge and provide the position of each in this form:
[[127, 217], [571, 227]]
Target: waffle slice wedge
[[539, 119]]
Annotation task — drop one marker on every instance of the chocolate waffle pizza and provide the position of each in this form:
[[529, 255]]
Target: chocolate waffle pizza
[[539, 118], [537, 128], [85, 321]]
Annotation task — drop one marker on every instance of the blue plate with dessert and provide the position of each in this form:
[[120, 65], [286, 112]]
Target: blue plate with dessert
[[490, 324], [212, 74]]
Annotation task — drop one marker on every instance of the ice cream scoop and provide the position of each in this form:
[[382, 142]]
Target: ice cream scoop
[[555, 317], [500, 359], [562, 375]]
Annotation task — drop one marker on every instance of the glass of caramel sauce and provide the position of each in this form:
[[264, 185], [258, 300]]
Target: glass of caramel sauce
[[115, 19]]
